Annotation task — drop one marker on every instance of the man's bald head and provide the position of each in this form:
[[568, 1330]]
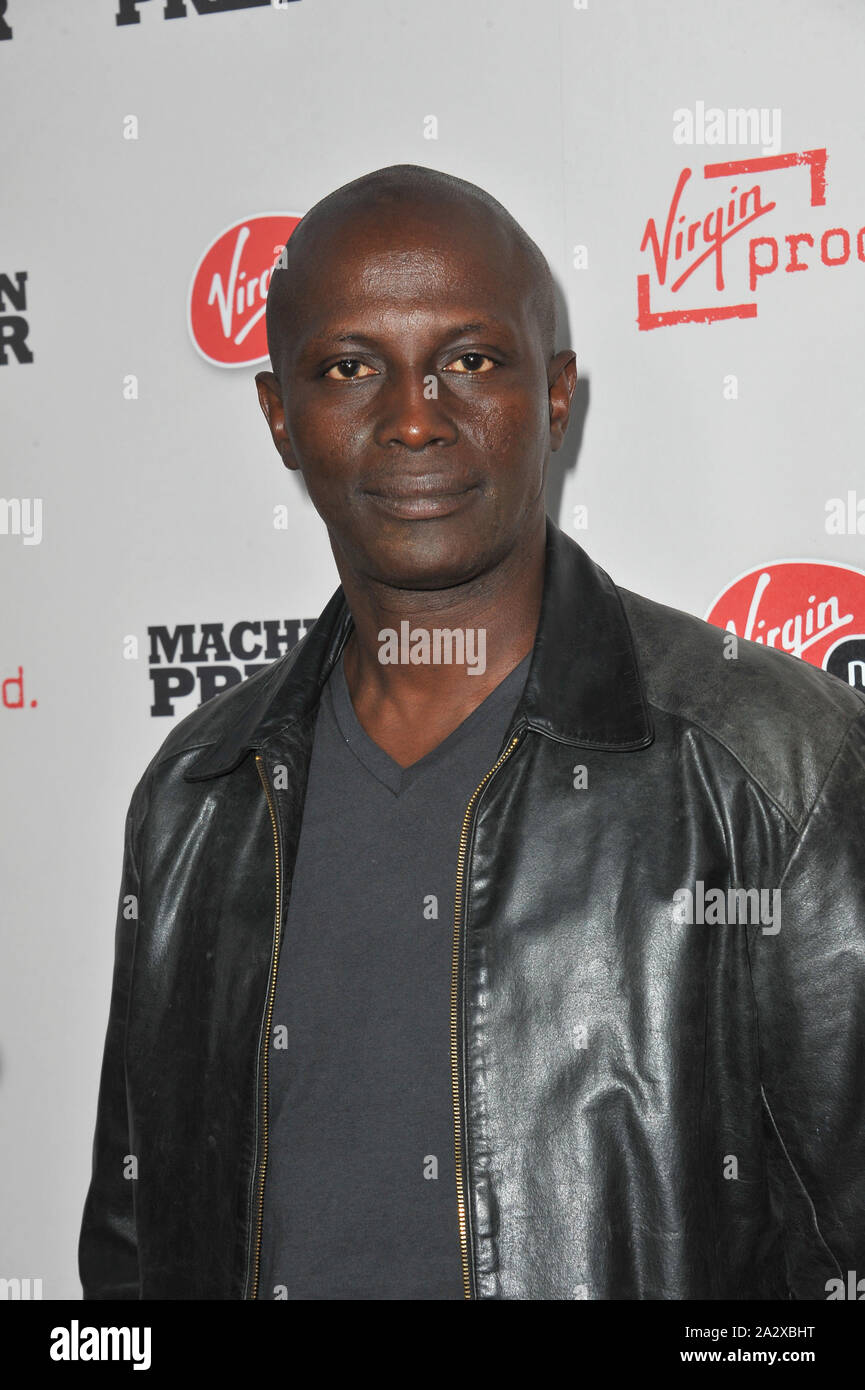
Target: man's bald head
[[406, 189]]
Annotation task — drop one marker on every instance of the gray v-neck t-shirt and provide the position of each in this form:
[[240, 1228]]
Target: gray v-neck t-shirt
[[360, 1196]]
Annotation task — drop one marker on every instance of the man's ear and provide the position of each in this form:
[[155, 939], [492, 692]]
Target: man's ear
[[270, 400], [562, 376]]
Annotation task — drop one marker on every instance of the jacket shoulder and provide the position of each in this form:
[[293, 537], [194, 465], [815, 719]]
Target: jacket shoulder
[[206, 725], [783, 719]]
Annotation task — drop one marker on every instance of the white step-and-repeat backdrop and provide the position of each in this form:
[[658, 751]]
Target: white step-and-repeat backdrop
[[695, 173]]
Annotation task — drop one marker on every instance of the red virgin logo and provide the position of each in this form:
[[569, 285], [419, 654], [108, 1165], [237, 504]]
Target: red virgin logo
[[709, 256], [228, 294], [811, 608]]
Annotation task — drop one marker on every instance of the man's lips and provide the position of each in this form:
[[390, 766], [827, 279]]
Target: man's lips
[[421, 500]]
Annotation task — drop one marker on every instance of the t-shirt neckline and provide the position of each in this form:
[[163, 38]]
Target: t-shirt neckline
[[374, 758]]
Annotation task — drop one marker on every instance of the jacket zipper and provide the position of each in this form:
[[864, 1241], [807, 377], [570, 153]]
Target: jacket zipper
[[262, 1165], [462, 1205], [462, 1196]]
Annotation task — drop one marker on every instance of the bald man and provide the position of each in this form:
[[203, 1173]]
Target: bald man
[[506, 939]]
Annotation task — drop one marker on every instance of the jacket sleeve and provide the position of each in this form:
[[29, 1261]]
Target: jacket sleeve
[[809, 980], [108, 1246]]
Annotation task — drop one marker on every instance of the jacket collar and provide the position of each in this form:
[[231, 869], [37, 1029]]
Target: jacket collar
[[583, 686]]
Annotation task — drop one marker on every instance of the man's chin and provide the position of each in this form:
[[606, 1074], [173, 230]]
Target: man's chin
[[429, 561], [427, 552], [431, 576]]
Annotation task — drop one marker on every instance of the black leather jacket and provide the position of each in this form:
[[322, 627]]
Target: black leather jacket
[[643, 1108]]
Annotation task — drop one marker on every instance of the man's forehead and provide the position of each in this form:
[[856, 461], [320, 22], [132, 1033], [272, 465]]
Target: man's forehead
[[398, 254], [375, 327], [391, 278], [413, 284], [411, 217], [376, 323], [356, 260]]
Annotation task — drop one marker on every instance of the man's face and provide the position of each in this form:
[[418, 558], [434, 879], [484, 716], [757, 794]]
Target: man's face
[[414, 395]]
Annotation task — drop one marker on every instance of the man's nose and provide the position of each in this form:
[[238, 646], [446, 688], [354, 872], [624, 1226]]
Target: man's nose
[[411, 412]]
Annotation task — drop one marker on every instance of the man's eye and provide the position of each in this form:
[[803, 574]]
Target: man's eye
[[354, 369], [472, 362]]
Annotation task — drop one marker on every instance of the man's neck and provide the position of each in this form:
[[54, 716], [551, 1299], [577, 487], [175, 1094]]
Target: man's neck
[[446, 651]]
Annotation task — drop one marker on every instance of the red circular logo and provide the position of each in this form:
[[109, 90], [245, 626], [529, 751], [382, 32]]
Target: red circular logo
[[811, 608], [228, 294]]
